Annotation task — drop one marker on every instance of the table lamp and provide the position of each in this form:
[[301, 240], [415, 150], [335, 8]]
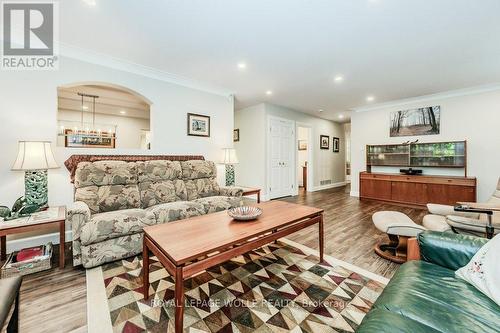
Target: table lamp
[[230, 159], [35, 158]]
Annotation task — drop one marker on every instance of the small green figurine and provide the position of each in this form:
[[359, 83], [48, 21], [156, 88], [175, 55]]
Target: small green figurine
[[19, 209]]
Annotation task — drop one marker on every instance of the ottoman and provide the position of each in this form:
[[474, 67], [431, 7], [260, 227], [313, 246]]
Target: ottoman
[[398, 227]]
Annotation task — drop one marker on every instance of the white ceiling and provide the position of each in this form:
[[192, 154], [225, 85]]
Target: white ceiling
[[391, 49]]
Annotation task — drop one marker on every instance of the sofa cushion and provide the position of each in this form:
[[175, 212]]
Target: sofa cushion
[[218, 203], [432, 296], [108, 198], [177, 210], [202, 187], [156, 170], [196, 169], [115, 197], [105, 173], [115, 224], [88, 195], [163, 191]]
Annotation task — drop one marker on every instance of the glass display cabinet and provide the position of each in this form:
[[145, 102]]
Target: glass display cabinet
[[452, 154]]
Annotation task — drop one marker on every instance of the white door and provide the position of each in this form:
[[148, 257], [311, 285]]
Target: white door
[[281, 172]]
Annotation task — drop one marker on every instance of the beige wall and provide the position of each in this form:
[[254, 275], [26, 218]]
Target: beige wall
[[251, 149], [474, 117]]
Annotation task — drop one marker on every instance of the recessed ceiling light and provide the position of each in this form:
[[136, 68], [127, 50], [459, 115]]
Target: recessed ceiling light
[[269, 92], [92, 3], [123, 112], [370, 98], [320, 110], [338, 78], [341, 116], [242, 65]]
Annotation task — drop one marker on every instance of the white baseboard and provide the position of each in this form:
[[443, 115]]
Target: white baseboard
[[354, 194], [325, 187], [22, 243]]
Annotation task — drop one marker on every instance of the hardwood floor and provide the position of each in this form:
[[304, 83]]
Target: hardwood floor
[[349, 231], [55, 300]]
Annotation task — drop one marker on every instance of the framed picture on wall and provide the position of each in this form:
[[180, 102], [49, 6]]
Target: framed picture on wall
[[412, 122], [236, 135], [198, 125], [302, 144], [324, 142], [336, 144]]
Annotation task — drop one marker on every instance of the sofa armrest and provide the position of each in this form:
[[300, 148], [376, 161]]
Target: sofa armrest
[[444, 210], [78, 215], [231, 191], [448, 249]]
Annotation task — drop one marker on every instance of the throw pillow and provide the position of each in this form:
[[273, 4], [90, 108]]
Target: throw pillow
[[483, 271]]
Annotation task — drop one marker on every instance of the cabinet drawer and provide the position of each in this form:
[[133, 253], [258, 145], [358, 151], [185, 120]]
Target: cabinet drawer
[[375, 176]]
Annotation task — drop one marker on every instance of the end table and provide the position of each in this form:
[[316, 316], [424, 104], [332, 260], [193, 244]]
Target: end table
[[250, 191], [36, 221]]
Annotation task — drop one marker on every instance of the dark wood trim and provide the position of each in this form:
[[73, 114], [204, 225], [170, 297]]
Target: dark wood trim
[[198, 115], [413, 250], [179, 300], [3, 248], [255, 191]]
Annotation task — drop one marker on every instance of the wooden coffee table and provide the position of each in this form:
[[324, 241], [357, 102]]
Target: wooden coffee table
[[190, 246]]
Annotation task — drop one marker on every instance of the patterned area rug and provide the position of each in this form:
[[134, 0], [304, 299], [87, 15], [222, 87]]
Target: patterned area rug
[[277, 288]]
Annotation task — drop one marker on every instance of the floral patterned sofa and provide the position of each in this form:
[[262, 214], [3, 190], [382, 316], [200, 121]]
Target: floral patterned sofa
[[115, 200]]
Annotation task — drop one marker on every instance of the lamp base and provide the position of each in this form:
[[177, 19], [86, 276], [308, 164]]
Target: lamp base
[[35, 188], [229, 175]]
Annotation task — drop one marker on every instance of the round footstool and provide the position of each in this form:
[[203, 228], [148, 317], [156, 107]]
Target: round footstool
[[398, 227]]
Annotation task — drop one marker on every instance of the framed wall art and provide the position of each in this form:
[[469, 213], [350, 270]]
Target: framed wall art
[[336, 144], [302, 144], [198, 125], [324, 142], [412, 122]]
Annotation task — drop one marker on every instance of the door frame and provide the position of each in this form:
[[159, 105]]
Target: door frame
[[310, 159], [293, 158]]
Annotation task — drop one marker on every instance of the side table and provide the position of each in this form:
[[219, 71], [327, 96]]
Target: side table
[[37, 221], [251, 191]]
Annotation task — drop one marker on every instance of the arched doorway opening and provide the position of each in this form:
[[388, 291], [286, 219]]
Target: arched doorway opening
[[102, 115]]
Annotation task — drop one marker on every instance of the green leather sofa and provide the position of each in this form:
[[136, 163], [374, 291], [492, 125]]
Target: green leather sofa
[[425, 296]]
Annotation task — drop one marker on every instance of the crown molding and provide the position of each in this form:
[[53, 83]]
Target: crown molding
[[431, 97], [74, 52]]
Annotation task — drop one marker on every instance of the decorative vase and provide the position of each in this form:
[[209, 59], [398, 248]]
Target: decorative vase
[[229, 175], [35, 188]]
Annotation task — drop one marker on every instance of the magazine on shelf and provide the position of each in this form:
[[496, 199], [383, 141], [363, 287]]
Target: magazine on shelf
[[45, 253]]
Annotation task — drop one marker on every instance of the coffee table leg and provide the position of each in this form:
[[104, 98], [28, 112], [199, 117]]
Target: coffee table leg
[[62, 242], [145, 270], [3, 247], [258, 197], [179, 300], [321, 238]]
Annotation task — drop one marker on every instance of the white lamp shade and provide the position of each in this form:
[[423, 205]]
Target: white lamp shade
[[34, 155], [229, 156]]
